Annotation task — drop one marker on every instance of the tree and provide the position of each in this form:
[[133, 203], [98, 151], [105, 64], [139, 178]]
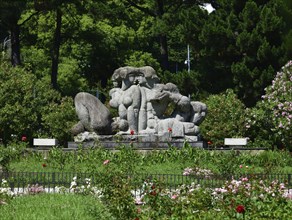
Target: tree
[[56, 7], [163, 14], [30, 107], [56, 48], [10, 13], [44, 41], [242, 46], [89, 46]]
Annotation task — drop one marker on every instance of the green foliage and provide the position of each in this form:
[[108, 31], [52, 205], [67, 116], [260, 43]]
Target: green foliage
[[30, 107], [239, 45], [270, 159], [10, 153], [270, 120], [139, 59], [225, 118], [58, 120], [116, 188], [55, 206], [159, 204], [242, 46], [17, 91], [256, 199], [227, 163], [6, 195], [187, 82], [258, 124], [36, 61], [190, 205], [57, 158], [69, 80], [260, 199], [171, 161]]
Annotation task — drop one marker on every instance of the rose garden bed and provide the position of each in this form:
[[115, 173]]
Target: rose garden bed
[[185, 183]]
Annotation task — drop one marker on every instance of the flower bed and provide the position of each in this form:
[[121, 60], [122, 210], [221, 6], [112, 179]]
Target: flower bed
[[237, 198]]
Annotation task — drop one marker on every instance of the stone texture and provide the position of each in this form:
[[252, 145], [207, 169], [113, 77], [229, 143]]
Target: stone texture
[[141, 102], [92, 113]]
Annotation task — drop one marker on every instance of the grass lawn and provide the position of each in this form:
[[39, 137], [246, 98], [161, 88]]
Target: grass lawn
[[54, 207]]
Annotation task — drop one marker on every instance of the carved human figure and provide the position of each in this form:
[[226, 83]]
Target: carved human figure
[[130, 99], [159, 100], [93, 115], [141, 102]]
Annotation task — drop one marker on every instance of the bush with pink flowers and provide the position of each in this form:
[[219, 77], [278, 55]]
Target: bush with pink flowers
[[237, 199], [270, 121]]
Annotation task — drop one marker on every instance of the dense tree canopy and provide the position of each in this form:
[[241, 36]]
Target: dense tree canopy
[[243, 46], [72, 46], [78, 44]]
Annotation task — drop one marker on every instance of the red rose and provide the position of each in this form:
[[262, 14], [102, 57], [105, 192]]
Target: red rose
[[169, 130], [209, 142], [132, 132], [44, 165], [240, 209], [23, 138], [153, 193]]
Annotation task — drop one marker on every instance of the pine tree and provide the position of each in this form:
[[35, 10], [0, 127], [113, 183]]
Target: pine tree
[[242, 47]]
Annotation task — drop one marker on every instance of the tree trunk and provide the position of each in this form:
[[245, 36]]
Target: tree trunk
[[164, 52], [162, 38], [15, 45], [56, 49]]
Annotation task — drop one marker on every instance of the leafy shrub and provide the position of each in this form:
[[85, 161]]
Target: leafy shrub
[[258, 199], [10, 153], [59, 119], [30, 107], [5, 192], [116, 189], [236, 199], [270, 120], [139, 59], [70, 80], [157, 201], [225, 118]]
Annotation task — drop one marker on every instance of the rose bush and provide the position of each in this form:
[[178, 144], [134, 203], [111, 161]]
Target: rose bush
[[237, 199], [5, 192]]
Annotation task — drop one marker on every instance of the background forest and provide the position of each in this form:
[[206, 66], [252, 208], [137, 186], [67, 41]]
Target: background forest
[[53, 49]]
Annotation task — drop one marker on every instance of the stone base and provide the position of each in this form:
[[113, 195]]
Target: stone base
[[138, 145], [143, 142]]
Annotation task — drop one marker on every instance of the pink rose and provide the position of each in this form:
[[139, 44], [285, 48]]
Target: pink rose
[[106, 162]]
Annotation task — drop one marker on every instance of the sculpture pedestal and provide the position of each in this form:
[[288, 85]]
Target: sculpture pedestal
[[139, 142]]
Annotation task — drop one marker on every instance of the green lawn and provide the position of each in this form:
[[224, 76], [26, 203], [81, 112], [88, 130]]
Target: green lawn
[[54, 207]]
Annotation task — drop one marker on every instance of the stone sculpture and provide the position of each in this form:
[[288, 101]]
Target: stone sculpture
[[141, 102]]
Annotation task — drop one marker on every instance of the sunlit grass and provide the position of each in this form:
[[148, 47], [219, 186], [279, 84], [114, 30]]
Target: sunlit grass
[[54, 207]]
